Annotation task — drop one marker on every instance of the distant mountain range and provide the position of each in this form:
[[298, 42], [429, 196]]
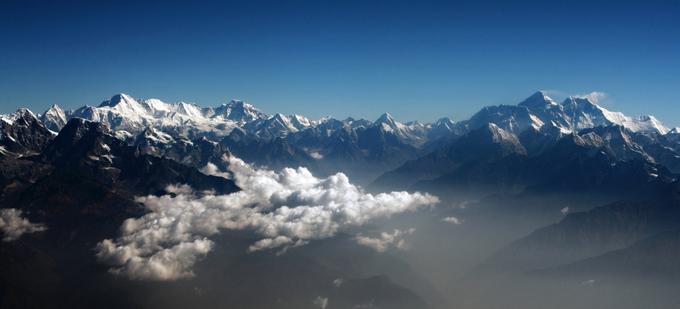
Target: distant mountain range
[[364, 149]]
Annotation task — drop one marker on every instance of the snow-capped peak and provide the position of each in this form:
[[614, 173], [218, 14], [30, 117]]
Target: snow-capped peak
[[54, 110], [126, 106], [54, 118], [650, 123], [238, 110], [388, 124], [386, 118], [119, 99], [122, 112], [300, 122], [281, 121], [444, 121], [539, 99], [22, 113], [592, 115]]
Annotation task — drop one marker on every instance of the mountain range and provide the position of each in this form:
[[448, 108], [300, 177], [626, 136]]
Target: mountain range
[[81, 172], [361, 148]]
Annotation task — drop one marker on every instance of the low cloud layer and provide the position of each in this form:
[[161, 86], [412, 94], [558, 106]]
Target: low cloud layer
[[386, 240], [286, 209], [13, 225]]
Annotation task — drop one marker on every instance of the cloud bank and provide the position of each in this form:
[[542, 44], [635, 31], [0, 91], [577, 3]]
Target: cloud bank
[[13, 225], [286, 209]]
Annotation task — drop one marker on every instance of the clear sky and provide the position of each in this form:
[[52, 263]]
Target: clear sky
[[417, 60]]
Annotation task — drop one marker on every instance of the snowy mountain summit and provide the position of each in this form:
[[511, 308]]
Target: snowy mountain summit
[[572, 115], [129, 117]]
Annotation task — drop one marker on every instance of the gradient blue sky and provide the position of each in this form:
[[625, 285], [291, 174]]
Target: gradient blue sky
[[418, 60]]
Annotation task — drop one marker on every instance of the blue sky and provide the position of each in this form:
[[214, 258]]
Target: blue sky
[[417, 60]]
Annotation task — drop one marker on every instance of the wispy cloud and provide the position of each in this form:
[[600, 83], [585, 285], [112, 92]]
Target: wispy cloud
[[596, 97], [321, 302]]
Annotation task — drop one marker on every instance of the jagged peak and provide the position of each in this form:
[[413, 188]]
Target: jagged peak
[[76, 128], [579, 100], [646, 123], [385, 118], [280, 117], [238, 103], [116, 99], [239, 111], [444, 120], [23, 112], [301, 120], [55, 107], [539, 99], [54, 110]]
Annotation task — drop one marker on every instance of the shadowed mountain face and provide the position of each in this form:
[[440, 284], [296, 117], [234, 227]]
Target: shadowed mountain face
[[585, 163], [88, 148], [81, 187], [87, 177], [588, 234], [654, 257], [568, 199], [482, 145], [599, 255], [22, 134]]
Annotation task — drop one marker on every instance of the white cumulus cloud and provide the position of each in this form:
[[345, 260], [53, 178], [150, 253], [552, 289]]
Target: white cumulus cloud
[[385, 240], [285, 209], [452, 220], [13, 225]]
